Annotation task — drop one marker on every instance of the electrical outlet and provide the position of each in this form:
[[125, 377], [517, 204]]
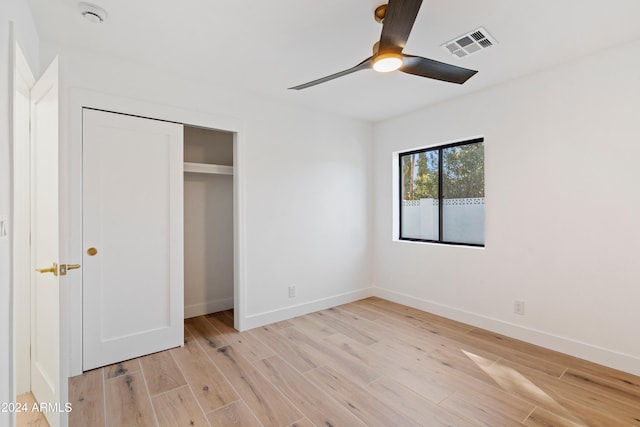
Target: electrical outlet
[[292, 291], [518, 307]]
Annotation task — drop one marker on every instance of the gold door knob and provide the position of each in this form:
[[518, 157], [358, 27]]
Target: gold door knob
[[53, 269], [92, 251]]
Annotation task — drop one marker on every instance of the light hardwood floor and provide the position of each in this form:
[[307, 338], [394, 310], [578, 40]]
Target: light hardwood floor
[[367, 363], [29, 418]]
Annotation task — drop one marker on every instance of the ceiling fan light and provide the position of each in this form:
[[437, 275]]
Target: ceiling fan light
[[386, 62]]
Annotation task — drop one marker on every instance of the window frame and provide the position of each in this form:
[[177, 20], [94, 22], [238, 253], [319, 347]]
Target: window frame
[[439, 149]]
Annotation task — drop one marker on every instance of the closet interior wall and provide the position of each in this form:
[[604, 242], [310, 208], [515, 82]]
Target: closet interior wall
[[208, 221]]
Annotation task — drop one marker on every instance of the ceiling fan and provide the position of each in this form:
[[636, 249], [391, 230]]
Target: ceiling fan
[[397, 19]]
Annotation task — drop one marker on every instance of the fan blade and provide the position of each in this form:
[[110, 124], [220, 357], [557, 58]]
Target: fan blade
[[361, 66], [429, 68], [397, 24]]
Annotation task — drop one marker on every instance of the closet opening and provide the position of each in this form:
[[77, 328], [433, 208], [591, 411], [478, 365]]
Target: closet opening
[[208, 222]]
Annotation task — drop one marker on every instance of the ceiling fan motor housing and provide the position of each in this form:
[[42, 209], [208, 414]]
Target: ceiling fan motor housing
[[380, 12]]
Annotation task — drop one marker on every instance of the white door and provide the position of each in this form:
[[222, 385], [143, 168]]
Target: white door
[[47, 380], [133, 276]]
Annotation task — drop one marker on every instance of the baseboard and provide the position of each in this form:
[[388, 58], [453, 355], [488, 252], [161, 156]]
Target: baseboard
[[285, 313], [602, 356], [208, 307]]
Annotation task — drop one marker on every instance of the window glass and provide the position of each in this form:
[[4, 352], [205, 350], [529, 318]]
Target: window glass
[[420, 214], [442, 194], [463, 194]]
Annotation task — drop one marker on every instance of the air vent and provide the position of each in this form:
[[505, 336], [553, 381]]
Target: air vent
[[469, 43]]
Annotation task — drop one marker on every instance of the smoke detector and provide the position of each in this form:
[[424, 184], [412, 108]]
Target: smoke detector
[[470, 43], [92, 13]]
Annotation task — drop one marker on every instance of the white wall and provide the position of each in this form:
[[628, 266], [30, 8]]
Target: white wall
[[305, 183], [309, 206], [562, 209], [24, 32]]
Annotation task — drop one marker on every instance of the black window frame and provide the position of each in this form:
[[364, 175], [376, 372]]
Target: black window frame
[[439, 149]]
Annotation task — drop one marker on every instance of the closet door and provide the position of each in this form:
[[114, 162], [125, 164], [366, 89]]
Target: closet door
[[133, 237]]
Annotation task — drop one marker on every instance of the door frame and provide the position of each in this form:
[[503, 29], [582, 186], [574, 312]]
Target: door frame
[[83, 98]]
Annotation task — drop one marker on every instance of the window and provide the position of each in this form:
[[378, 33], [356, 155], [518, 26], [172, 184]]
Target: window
[[442, 194]]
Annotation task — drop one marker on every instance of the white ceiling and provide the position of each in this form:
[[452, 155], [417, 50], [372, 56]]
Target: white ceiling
[[266, 47]]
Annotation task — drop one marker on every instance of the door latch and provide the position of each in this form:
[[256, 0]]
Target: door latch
[[65, 267]]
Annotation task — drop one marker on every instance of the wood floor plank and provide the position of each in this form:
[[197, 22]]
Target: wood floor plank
[[207, 335], [222, 319], [371, 410], [86, 395], [361, 311], [178, 407], [627, 381], [413, 367], [267, 403], [441, 373], [541, 417], [161, 373], [425, 383], [30, 418], [302, 423], [281, 325], [398, 326], [127, 402], [207, 382], [428, 335], [418, 342], [408, 349], [518, 380], [523, 347], [313, 402], [328, 356], [187, 332], [310, 327], [296, 356], [333, 321], [414, 313], [616, 384], [456, 364], [418, 335], [413, 405], [122, 368], [471, 377], [506, 352], [236, 414], [360, 353], [569, 401], [229, 313], [408, 367], [377, 329], [251, 348], [424, 334], [488, 409]]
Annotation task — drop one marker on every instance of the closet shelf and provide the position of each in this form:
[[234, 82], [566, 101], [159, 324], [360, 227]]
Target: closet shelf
[[208, 168]]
